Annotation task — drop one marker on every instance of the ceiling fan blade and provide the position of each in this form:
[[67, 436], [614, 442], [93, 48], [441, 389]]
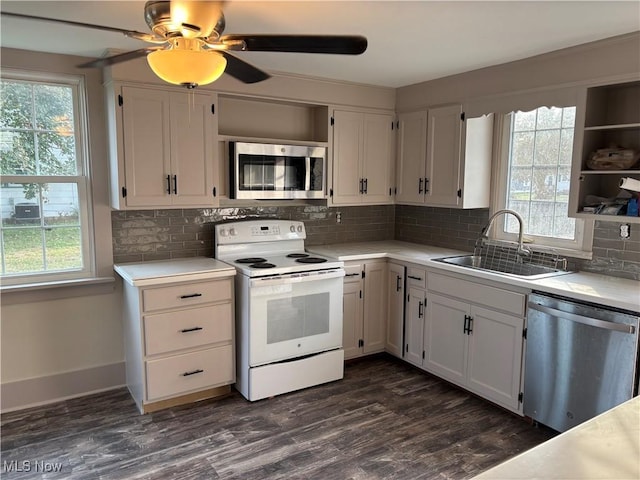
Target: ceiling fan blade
[[338, 44], [129, 33], [243, 71], [121, 57]]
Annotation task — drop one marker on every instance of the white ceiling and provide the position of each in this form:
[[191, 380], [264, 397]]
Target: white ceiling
[[409, 41]]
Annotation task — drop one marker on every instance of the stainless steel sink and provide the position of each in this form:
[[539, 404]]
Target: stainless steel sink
[[506, 267]]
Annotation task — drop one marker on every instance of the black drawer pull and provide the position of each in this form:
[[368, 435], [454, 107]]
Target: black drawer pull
[[186, 374], [398, 284], [169, 184], [191, 295], [194, 329], [352, 274], [414, 278]]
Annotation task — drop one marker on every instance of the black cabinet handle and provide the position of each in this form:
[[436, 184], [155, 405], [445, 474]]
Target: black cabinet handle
[[194, 372], [362, 185], [191, 295], [414, 278], [398, 285], [194, 329], [352, 274], [420, 309], [365, 185], [470, 327], [420, 186], [169, 184], [426, 182], [175, 184], [468, 324]]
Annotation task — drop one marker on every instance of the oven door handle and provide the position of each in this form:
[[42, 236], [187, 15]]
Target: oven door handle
[[297, 278]]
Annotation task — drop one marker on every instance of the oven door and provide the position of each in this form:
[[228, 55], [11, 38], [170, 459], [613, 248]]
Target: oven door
[[294, 315]]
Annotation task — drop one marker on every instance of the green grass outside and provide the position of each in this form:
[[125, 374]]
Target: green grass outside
[[23, 250]]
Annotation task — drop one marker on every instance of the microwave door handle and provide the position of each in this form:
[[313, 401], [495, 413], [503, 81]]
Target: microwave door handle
[[307, 175]]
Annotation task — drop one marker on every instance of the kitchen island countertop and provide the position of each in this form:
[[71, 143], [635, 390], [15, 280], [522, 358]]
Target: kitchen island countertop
[[590, 287]]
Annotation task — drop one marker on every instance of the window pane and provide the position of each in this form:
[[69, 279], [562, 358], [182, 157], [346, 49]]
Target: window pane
[[541, 219], [54, 108], [563, 226], [63, 248], [566, 146], [56, 154], [547, 147], [569, 117], [15, 105], [544, 184], [524, 121], [522, 148], [61, 205], [549, 118], [22, 247], [20, 204], [17, 153]]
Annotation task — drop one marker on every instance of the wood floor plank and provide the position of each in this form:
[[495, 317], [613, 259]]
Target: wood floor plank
[[384, 420]]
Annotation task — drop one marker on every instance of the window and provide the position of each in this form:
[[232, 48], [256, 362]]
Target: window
[[534, 179], [44, 234]]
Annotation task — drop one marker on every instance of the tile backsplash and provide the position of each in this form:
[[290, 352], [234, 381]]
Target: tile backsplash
[[143, 235]]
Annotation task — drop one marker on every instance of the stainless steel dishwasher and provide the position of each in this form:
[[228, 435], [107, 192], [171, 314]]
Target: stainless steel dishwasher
[[581, 360]]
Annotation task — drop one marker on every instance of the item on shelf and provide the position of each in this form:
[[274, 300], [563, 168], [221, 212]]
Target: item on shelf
[[614, 158], [614, 209], [632, 208], [631, 184]]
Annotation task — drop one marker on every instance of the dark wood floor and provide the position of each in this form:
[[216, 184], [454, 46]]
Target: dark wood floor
[[384, 420]]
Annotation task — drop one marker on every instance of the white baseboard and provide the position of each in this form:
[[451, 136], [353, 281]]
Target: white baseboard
[[61, 386]]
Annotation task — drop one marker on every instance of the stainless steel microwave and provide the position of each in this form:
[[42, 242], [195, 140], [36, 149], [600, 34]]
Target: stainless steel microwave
[[274, 172]]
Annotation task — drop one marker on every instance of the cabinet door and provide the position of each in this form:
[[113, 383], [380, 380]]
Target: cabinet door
[[347, 151], [445, 342], [395, 312], [375, 306], [192, 156], [414, 326], [352, 319], [495, 356], [411, 158], [377, 158], [443, 156], [146, 146]]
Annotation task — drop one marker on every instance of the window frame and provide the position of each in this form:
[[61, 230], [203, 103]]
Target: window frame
[[81, 179], [581, 246]]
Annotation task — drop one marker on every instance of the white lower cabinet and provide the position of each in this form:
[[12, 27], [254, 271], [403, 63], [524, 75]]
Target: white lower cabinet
[[451, 332], [364, 308], [395, 311], [179, 341]]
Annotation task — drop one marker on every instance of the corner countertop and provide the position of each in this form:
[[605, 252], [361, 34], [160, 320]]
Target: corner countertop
[[589, 287], [605, 447], [170, 271]]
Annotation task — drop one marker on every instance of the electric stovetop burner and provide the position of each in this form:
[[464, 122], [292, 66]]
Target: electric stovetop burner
[[251, 260], [264, 264], [298, 255], [311, 260]]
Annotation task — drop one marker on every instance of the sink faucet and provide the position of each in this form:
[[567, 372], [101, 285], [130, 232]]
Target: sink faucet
[[522, 250]]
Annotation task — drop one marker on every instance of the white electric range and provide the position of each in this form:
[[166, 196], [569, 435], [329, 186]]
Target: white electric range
[[288, 308]]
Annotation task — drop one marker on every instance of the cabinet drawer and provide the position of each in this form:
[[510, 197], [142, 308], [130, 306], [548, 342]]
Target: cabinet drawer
[[181, 295], [494, 298], [192, 371], [352, 273], [190, 327], [416, 277]]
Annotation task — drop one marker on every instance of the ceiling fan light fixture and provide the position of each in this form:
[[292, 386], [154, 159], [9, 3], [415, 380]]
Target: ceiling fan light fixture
[[187, 67]]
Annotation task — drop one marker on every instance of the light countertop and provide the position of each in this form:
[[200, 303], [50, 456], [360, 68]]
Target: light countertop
[[169, 271], [590, 287], [605, 447]]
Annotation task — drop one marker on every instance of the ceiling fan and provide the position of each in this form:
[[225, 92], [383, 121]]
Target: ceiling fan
[[189, 48]]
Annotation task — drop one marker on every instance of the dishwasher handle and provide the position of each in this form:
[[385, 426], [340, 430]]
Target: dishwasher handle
[[594, 322]]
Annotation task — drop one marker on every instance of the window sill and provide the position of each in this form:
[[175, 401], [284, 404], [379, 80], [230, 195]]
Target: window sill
[[35, 292]]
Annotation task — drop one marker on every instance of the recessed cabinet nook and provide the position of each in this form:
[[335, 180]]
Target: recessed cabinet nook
[[611, 119]]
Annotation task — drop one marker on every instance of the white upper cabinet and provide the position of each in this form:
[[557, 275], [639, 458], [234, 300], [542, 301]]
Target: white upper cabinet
[[162, 151], [443, 158], [362, 158]]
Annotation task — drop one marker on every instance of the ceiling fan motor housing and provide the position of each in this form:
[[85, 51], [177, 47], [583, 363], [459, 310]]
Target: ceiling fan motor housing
[[189, 19]]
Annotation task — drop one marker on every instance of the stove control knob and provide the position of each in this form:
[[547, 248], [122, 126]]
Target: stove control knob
[[223, 232], [292, 228], [300, 228], [232, 231]]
